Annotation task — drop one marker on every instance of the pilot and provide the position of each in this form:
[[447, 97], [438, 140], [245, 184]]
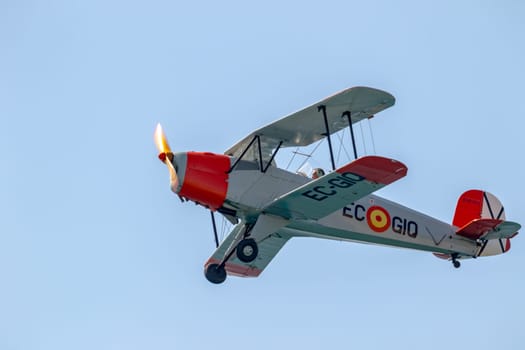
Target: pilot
[[317, 173]]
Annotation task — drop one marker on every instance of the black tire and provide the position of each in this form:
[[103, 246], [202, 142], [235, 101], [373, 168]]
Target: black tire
[[247, 250], [456, 264], [215, 273]]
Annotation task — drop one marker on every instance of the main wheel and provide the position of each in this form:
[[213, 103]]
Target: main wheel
[[456, 264], [215, 273], [247, 250]]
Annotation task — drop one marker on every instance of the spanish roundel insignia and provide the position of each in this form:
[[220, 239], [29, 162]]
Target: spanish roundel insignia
[[378, 219]]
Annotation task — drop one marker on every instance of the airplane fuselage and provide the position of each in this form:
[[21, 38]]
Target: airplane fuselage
[[245, 191], [371, 219]]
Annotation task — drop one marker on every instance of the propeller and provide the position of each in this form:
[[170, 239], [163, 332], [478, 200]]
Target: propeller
[[166, 156]]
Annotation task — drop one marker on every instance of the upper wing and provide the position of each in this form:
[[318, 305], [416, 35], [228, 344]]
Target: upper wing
[[307, 125], [325, 195]]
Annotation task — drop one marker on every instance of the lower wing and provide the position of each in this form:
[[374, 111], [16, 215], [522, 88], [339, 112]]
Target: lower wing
[[333, 191], [268, 248]]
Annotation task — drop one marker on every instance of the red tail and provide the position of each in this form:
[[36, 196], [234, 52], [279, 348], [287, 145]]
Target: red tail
[[476, 213], [477, 204]]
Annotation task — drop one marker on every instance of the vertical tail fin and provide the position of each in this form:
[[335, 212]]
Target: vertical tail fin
[[476, 204]]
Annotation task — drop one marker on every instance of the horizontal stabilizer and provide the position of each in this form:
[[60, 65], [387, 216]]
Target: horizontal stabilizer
[[333, 191], [489, 229], [507, 229]]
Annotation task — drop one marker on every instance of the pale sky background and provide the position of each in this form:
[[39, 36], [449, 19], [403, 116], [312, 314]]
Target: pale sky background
[[97, 253]]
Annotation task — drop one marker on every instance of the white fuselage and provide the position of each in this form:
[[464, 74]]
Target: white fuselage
[[371, 219]]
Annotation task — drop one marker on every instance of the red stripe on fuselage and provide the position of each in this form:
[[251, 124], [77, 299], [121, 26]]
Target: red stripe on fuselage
[[206, 178]]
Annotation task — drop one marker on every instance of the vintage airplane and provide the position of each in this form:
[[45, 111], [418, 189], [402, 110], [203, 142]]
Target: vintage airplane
[[270, 205]]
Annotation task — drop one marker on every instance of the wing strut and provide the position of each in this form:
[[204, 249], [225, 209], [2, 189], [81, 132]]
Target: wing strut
[[349, 116], [214, 229], [327, 134]]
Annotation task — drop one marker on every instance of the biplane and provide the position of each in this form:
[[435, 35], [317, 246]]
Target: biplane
[[269, 205]]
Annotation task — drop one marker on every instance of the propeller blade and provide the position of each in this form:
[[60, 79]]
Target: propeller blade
[[162, 143], [166, 156]]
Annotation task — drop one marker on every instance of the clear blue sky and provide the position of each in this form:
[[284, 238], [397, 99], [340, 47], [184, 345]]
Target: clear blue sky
[[97, 253]]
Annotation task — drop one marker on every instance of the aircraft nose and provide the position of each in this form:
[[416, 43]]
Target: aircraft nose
[[203, 177], [179, 163]]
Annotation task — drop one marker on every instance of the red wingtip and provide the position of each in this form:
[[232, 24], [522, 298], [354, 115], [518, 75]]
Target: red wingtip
[[378, 169]]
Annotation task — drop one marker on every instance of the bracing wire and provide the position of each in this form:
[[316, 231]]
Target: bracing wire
[[224, 228], [223, 224], [342, 146], [291, 159], [307, 156], [372, 136], [363, 137]]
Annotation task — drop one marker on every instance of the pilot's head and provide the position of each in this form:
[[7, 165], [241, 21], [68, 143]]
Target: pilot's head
[[317, 173]]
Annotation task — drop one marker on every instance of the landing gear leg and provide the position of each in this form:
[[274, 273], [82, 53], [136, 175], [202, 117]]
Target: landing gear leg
[[455, 262]]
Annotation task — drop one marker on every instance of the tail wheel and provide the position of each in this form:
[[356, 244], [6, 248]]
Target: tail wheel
[[455, 262], [247, 250], [215, 273]]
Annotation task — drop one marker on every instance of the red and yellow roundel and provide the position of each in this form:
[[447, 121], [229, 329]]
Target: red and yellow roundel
[[378, 219]]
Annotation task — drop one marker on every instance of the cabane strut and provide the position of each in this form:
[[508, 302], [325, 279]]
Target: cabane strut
[[262, 167]]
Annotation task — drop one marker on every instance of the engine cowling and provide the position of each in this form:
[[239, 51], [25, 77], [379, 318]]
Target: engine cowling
[[203, 177]]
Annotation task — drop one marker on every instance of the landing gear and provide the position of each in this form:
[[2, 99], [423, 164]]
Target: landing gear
[[455, 262], [215, 273], [247, 250]]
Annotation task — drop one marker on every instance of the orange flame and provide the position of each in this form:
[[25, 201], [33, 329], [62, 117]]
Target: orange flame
[[160, 140]]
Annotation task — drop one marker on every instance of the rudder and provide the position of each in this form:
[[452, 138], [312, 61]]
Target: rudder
[[478, 204]]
